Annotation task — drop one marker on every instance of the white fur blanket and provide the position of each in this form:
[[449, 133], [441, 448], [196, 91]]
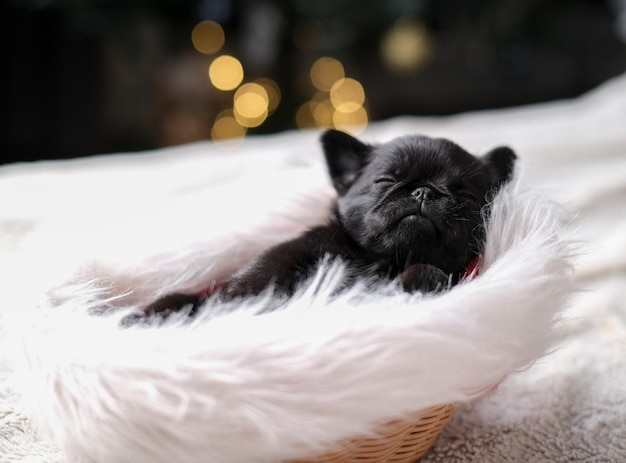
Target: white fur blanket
[[111, 232]]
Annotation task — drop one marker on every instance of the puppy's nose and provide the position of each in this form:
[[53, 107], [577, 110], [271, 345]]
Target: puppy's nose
[[423, 193]]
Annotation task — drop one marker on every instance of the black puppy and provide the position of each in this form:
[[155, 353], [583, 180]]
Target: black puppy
[[409, 209]]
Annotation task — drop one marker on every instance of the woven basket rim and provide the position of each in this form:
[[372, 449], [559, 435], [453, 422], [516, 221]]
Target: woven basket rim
[[401, 440]]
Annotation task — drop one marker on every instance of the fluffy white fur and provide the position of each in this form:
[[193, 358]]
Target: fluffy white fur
[[241, 387]]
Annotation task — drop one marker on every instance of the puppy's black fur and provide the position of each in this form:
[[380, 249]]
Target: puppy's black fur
[[409, 209]]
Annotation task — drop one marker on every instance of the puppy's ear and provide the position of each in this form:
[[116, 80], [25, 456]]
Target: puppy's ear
[[345, 157], [500, 163]]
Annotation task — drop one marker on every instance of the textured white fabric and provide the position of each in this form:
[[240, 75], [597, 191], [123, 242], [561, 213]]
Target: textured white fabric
[[237, 388]]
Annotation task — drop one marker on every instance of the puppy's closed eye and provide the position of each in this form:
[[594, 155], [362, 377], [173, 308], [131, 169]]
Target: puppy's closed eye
[[385, 179]]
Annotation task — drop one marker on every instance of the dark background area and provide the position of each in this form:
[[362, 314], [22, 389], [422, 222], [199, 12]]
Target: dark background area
[[83, 77]]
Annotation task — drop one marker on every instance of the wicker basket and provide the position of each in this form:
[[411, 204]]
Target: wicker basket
[[399, 441]]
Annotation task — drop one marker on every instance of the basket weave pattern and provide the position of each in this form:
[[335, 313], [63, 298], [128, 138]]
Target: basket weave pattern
[[399, 441]]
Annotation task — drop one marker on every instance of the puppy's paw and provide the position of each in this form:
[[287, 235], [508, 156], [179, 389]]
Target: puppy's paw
[[424, 278], [235, 289], [163, 308]]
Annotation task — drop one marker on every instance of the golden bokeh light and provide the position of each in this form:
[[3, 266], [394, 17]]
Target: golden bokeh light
[[347, 95], [226, 72], [227, 129], [273, 92], [251, 103], [304, 116], [407, 46], [353, 121], [338, 103], [325, 72], [323, 113], [320, 96], [207, 37]]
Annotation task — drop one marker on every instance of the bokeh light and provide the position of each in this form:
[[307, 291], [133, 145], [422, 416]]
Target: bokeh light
[[273, 92], [207, 37], [407, 46], [323, 113], [353, 121], [226, 72], [251, 103], [347, 95], [325, 72], [304, 116], [227, 129], [338, 103]]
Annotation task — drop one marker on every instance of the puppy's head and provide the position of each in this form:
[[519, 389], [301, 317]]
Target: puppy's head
[[414, 199]]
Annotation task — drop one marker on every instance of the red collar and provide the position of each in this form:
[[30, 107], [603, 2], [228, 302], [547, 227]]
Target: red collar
[[472, 270]]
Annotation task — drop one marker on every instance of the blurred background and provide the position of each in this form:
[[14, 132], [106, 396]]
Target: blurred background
[[82, 77]]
